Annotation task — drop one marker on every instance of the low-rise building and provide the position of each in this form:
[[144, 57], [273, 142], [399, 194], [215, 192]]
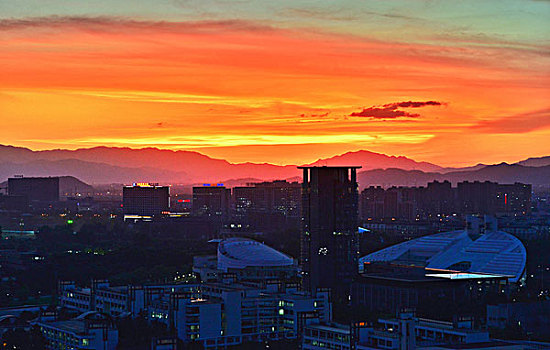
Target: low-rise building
[[115, 301], [91, 330], [389, 288], [230, 313], [405, 332]]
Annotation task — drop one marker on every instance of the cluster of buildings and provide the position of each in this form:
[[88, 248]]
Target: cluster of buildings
[[441, 199], [254, 202], [249, 292], [249, 296]]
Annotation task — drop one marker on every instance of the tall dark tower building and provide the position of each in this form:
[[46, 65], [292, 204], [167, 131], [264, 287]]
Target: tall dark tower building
[[329, 246]]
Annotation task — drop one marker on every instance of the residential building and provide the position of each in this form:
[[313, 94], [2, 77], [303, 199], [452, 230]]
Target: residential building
[[212, 201]]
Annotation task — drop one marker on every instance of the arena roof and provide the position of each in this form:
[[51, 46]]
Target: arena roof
[[494, 252], [242, 252]]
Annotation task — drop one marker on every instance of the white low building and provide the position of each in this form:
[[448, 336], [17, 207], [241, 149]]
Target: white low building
[[247, 259], [487, 251]]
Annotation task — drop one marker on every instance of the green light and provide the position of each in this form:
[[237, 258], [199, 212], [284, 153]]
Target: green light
[[69, 221]]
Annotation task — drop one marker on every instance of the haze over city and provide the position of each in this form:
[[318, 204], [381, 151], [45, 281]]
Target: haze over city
[[286, 82]]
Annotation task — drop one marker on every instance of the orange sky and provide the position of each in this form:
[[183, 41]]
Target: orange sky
[[244, 91]]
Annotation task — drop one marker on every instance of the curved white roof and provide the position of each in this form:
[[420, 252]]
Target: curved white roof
[[242, 252], [494, 252]]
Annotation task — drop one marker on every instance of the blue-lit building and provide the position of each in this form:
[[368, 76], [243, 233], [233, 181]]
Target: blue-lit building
[[212, 201]]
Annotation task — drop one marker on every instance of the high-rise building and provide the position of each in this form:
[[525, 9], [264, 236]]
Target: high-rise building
[[43, 189], [211, 201], [276, 197], [329, 239], [146, 199]]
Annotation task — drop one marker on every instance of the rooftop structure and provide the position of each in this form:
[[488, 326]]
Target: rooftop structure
[[228, 314], [406, 332], [244, 259], [242, 252], [91, 330], [494, 252], [388, 288]]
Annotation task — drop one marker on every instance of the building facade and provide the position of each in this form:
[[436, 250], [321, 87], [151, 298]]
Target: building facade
[[212, 201], [145, 199], [389, 288], [43, 189], [329, 239], [276, 197]]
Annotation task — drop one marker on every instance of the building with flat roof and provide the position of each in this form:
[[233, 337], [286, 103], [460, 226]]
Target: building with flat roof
[[145, 199], [117, 301], [42, 189], [228, 313], [406, 332], [329, 240], [91, 330], [275, 197], [389, 288]]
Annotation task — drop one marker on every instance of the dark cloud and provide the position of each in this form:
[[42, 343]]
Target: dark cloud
[[392, 111], [516, 124], [413, 104]]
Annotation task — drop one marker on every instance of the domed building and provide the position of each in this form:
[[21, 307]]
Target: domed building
[[247, 260], [494, 252]]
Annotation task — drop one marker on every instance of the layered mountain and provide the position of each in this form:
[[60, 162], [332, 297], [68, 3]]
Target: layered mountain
[[89, 172], [539, 161], [103, 165], [371, 160], [113, 164]]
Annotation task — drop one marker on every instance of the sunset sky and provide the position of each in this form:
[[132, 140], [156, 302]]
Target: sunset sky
[[288, 81]]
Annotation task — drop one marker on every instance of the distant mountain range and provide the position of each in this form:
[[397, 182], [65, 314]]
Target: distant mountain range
[[125, 165], [103, 165]]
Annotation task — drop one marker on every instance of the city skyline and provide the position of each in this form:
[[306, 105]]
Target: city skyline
[[282, 83]]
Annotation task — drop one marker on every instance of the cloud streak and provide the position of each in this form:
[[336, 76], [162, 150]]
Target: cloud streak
[[115, 23], [516, 124]]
